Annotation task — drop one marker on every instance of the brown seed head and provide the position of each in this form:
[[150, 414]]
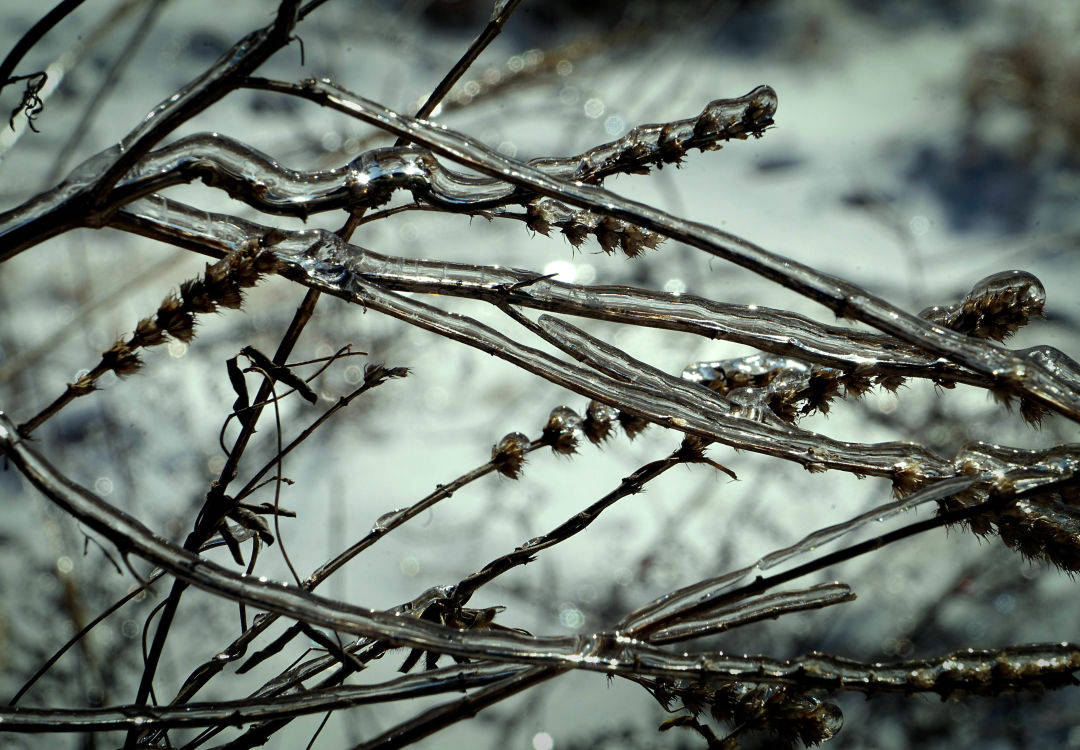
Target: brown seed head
[[508, 454], [599, 424], [561, 431]]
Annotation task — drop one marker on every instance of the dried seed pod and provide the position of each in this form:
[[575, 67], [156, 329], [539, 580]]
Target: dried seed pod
[[576, 225], [657, 144], [995, 308], [1032, 411], [561, 430], [787, 387], [121, 359], [575, 232], [82, 386], [195, 296], [632, 425], [221, 285], [890, 383], [822, 386], [1042, 528], [907, 477], [599, 424], [790, 717], [508, 454], [856, 383], [147, 333]]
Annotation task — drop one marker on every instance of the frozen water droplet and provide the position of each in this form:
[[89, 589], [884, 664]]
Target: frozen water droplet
[[386, 520], [831, 720]]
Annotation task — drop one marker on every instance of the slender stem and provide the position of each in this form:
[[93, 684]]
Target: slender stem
[[216, 504], [340, 404], [139, 35], [237, 648], [574, 525], [79, 636], [224, 713], [59, 12], [499, 16], [463, 708]]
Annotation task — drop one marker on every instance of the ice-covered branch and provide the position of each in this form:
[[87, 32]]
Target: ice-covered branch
[[854, 354], [369, 180], [84, 197], [334, 267], [447, 679], [1047, 376], [612, 653]]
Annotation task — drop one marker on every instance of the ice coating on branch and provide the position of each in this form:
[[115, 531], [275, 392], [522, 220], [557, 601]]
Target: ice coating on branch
[[1044, 524], [260, 180], [1055, 362], [698, 596], [84, 198], [667, 143], [995, 308], [778, 384], [845, 299], [644, 393], [851, 351], [991, 672], [752, 609], [387, 520], [445, 679]]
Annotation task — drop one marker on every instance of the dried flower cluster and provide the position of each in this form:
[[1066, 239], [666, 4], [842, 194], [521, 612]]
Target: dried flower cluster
[[222, 285]]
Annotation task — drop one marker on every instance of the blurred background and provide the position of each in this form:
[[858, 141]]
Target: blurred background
[[919, 147]]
